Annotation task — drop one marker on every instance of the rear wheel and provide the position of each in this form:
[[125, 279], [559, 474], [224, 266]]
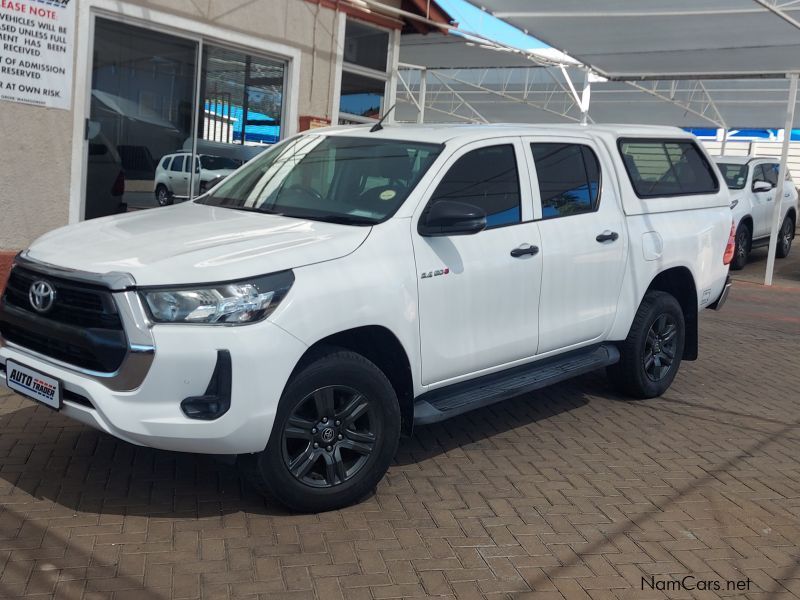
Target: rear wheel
[[335, 434], [651, 354], [744, 239], [785, 236]]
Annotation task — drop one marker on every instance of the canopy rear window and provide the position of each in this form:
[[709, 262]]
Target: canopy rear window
[[660, 167]]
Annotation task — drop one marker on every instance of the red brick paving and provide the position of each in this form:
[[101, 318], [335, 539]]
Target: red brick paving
[[572, 492]]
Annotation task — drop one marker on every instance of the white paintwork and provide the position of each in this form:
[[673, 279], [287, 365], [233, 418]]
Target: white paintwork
[[758, 206], [490, 312]]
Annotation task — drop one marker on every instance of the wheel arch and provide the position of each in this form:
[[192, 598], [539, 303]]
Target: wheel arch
[[748, 219], [679, 283], [792, 214], [381, 347]]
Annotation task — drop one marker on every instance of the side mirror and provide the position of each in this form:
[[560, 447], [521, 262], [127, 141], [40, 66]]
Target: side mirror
[[448, 217], [762, 186]]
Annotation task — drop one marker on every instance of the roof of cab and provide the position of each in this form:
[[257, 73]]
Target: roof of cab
[[742, 160], [442, 133]]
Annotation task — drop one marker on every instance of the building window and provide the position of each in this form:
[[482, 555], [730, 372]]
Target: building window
[[242, 97], [145, 111], [365, 72]]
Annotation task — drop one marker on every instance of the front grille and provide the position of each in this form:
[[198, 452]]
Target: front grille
[[83, 327], [75, 303]]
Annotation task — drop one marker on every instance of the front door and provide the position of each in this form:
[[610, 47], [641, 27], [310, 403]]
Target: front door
[[763, 201], [478, 303], [583, 240]]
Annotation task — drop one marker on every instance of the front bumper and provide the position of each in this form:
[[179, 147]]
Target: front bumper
[[723, 298], [262, 357]]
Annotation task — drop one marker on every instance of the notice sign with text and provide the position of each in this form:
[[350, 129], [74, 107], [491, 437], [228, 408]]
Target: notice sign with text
[[36, 40]]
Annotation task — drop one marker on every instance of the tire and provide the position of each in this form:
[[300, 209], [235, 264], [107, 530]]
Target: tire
[[744, 241], [785, 236], [641, 372], [163, 197], [315, 461]]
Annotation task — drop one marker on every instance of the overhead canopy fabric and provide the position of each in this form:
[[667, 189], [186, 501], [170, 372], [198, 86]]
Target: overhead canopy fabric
[[456, 52], [503, 86], [672, 39]]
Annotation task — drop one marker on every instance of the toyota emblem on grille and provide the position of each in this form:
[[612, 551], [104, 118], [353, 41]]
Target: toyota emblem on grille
[[42, 296]]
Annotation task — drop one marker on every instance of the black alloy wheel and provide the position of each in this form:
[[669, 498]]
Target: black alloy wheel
[[742, 246], [785, 236], [660, 347], [334, 435], [330, 436]]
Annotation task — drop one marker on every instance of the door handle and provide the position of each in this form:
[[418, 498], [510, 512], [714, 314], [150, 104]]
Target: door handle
[[769, 198], [525, 249], [607, 236]]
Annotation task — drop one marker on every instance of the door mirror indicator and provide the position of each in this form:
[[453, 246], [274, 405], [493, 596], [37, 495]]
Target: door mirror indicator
[[448, 217], [762, 186]]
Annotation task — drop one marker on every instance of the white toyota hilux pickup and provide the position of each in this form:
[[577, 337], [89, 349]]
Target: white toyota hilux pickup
[[752, 181], [352, 282]]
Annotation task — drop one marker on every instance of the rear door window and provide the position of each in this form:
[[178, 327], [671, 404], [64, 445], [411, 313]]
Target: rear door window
[[667, 168], [569, 178], [177, 164]]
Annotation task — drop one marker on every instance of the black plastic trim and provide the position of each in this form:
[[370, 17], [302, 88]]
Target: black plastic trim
[[217, 399], [458, 398]]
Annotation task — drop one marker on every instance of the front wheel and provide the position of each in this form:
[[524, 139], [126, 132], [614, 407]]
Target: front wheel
[[651, 354], [785, 236], [163, 197], [743, 241], [334, 436]]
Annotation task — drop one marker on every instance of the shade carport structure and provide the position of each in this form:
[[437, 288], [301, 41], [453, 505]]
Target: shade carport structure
[[651, 42]]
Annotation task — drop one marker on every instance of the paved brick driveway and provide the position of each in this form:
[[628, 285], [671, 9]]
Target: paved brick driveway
[[571, 492]]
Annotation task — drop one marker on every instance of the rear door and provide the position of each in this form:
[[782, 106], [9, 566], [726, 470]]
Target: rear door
[[584, 239]]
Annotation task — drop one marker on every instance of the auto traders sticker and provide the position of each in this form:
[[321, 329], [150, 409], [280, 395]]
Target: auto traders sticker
[[36, 48]]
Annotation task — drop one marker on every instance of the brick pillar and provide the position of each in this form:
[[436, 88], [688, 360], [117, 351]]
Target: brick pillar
[[6, 258]]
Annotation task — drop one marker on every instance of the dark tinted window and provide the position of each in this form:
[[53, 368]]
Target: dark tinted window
[[735, 175], [165, 162], [366, 46], [177, 164], [667, 168], [569, 179], [487, 178], [771, 172]]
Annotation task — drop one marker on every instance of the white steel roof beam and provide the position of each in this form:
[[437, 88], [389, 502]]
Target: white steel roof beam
[[563, 114], [666, 97], [460, 98], [778, 9]]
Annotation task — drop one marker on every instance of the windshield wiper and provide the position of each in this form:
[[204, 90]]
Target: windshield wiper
[[340, 219], [228, 203]]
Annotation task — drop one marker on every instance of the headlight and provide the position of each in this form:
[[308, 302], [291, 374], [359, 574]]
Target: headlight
[[237, 302]]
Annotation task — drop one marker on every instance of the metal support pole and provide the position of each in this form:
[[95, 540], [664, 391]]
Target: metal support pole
[[778, 198], [423, 92], [724, 142]]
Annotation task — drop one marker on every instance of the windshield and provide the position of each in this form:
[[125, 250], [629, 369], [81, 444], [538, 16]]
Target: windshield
[[353, 180], [735, 175], [218, 163]]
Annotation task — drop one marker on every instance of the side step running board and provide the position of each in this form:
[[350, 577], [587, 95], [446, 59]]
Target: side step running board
[[459, 398]]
